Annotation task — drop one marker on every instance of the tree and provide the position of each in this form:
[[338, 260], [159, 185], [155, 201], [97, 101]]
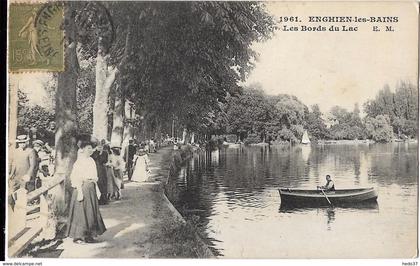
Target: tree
[[195, 73], [97, 36], [66, 116], [249, 113], [400, 106], [290, 110], [163, 74], [34, 116], [346, 125], [379, 128], [316, 124]]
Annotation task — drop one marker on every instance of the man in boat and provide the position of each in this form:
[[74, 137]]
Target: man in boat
[[329, 186]]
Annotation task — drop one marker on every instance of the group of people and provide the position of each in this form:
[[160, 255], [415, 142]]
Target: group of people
[[112, 164], [29, 162], [97, 178]]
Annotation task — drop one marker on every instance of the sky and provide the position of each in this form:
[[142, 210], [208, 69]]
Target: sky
[[338, 68]]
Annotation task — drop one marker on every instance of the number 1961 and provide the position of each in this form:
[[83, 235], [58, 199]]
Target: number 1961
[[289, 19]]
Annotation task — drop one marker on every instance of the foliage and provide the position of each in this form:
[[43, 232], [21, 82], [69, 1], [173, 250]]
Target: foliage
[[379, 128], [190, 65], [85, 98], [317, 128], [180, 58], [400, 106], [33, 116], [287, 135], [250, 112], [346, 125], [252, 138], [290, 110]]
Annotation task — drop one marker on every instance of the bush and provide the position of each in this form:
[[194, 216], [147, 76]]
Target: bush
[[379, 128], [252, 139], [287, 135]]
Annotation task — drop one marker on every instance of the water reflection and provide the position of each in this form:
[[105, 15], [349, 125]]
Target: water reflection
[[330, 217], [233, 192]]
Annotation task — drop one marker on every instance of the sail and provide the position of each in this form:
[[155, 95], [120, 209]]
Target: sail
[[305, 138]]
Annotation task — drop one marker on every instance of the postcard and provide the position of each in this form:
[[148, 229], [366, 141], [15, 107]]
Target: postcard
[[212, 129]]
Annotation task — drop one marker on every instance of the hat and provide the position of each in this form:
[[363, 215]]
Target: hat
[[22, 138], [38, 142], [115, 145]]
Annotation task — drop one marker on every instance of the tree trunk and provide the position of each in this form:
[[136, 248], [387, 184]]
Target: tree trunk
[[66, 112], [192, 137], [184, 136], [105, 77], [128, 132], [118, 120]]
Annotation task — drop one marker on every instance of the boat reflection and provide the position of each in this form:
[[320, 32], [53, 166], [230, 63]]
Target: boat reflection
[[370, 205], [331, 212]]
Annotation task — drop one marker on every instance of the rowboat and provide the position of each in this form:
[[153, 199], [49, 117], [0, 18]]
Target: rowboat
[[298, 197]]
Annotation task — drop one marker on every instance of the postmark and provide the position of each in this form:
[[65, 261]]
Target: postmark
[[36, 37]]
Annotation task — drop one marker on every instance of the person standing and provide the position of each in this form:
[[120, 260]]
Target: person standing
[[152, 145], [141, 167], [128, 157], [35, 181], [23, 165], [115, 172], [101, 158], [84, 221]]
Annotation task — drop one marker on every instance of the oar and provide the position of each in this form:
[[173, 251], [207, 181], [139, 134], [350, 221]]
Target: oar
[[326, 197]]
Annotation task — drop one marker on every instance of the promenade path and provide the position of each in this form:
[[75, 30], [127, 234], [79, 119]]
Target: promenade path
[[134, 224]]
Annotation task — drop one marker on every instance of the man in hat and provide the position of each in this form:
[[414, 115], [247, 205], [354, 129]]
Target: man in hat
[[22, 165], [129, 152]]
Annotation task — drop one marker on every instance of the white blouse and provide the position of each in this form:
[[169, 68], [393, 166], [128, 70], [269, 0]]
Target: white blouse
[[84, 169]]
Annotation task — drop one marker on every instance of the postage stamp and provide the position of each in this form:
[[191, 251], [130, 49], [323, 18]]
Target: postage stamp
[[36, 37]]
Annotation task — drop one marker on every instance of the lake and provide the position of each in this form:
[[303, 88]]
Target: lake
[[232, 193]]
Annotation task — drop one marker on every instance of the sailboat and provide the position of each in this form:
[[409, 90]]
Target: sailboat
[[305, 138]]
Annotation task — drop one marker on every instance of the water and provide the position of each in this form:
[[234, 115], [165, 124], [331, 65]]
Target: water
[[233, 192]]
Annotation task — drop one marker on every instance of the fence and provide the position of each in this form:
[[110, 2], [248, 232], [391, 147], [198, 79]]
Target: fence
[[34, 214]]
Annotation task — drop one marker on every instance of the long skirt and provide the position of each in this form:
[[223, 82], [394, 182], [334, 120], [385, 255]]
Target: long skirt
[[140, 170], [114, 180], [110, 180], [85, 219], [118, 180], [102, 183]]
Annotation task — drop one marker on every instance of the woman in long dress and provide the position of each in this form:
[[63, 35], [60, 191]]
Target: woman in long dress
[[141, 167], [115, 173], [101, 158], [85, 220]]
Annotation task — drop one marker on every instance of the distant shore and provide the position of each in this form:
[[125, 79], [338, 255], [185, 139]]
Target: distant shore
[[317, 142]]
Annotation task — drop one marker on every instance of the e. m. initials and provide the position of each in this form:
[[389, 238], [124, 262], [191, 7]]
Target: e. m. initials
[[387, 28]]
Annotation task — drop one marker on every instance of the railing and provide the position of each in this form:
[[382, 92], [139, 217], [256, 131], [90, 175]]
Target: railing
[[34, 214]]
